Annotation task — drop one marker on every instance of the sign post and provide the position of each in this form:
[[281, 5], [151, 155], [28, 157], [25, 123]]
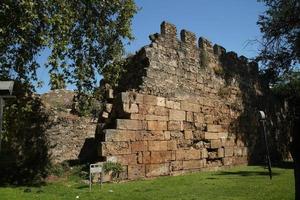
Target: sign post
[[262, 119]]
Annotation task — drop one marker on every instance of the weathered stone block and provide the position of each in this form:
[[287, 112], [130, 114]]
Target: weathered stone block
[[203, 153], [193, 164], [161, 101], [158, 145], [191, 154], [130, 108], [129, 124], [160, 157], [157, 169], [187, 106], [175, 126], [238, 151], [199, 117], [150, 100], [108, 107], [176, 135], [211, 136], [172, 145], [177, 115], [228, 151], [227, 161], [146, 157], [214, 128], [173, 104], [151, 135], [156, 117], [214, 144], [129, 159], [115, 148], [189, 116], [114, 135], [176, 165], [137, 116], [136, 171], [188, 134], [221, 152], [139, 146], [157, 125], [131, 97]]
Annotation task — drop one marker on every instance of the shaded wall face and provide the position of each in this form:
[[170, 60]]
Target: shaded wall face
[[193, 108]]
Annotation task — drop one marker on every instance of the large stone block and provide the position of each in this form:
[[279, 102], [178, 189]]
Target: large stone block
[[157, 170], [199, 117], [172, 145], [221, 152], [187, 106], [176, 165], [157, 125], [177, 115], [139, 146], [137, 116], [161, 101], [115, 148], [158, 145], [211, 136], [136, 171], [214, 144], [156, 117], [114, 135], [191, 154], [175, 125], [173, 105], [130, 108], [188, 134], [214, 128], [227, 161], [150, 100], [131, 97], [189, 116], [129, 124], [203, 153], [193, 164], [129, 159], [151, 135], [160, 157], [228, 151]]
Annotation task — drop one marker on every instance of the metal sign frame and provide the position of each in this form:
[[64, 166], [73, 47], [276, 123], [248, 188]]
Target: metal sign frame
[[96, 169], [262, 119]]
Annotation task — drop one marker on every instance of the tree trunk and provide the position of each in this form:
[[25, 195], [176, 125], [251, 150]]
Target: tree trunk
[[295, 150]]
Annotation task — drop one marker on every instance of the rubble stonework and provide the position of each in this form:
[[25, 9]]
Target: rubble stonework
[[69, 137], [181, 107]]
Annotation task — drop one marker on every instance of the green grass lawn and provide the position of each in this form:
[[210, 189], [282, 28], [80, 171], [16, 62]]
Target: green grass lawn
[[238, 183]]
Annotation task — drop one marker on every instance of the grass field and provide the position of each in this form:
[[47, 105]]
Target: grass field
[[239, 183]]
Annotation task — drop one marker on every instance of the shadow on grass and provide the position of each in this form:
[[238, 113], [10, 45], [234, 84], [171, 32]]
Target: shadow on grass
[[248, 173], [285, 165]]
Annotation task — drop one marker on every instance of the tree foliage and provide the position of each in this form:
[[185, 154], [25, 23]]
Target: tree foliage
[[280, 25], [84, 37], [280, 54]]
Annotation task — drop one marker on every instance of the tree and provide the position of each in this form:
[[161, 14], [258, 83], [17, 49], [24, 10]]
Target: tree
[[280, 55], [84, 36]]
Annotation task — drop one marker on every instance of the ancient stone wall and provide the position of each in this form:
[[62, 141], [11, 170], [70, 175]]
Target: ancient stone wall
[[181, 107], [69, 137]]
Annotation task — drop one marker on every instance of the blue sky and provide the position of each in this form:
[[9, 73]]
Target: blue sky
[[229, 23]]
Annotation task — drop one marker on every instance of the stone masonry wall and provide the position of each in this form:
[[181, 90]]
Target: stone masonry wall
[[69, 137], [181, 107]]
